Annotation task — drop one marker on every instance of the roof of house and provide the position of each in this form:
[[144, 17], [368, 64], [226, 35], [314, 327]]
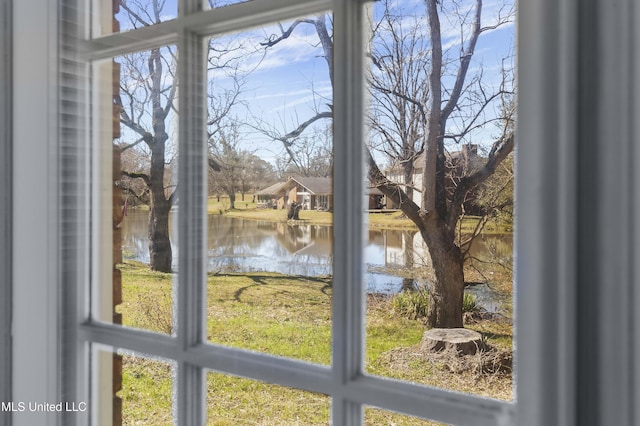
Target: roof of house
[[315, 185], [271, 190]]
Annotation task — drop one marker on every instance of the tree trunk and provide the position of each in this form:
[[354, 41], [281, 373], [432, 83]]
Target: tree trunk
[[232, 200], [159, 243], [446, 291]]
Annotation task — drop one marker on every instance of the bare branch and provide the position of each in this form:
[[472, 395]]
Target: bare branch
[[127, 121], [142, 176], [286, 139], [146, 138], [465, 60], [133, 14], [213, 164], [275, 39], [499, 151]]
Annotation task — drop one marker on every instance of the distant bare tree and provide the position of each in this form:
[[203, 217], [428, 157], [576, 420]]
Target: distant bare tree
[[310, 155]]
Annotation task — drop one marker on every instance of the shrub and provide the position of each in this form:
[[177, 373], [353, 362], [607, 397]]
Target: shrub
[[470, 303], [155, 313], [413, 304]]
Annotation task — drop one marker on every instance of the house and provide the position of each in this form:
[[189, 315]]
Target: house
[[376, 199], [459, 164], [311, 192], [314, 193], [268, 197]]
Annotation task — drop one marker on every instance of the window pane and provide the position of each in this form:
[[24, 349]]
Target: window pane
[[239, 401], [130, 388], [146, 394], [375, 416], [270, 190], [440, 197], [111, 16], [135, 131]]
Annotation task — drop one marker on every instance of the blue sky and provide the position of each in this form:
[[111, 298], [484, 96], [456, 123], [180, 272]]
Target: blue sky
[[288, 83]]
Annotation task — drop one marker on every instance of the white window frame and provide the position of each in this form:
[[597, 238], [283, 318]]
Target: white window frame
[[577, 110], [5, 214]]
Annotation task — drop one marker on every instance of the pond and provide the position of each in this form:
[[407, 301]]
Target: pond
[[393, 257]]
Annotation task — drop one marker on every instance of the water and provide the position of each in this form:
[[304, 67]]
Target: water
[[393, 258]]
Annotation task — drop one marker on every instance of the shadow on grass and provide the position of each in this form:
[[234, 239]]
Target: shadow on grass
[[261, 280]]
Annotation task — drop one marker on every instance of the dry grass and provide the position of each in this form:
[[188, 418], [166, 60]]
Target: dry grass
[[487, 373], [291, 317]]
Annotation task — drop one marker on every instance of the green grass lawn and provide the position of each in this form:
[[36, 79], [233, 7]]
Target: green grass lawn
[[288, 316]]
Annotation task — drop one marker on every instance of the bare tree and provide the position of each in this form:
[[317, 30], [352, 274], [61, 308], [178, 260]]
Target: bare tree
[[309, 155], [441, 206], [147, 93], [148, 89], [399, 92], [237, 169], [425, 96]]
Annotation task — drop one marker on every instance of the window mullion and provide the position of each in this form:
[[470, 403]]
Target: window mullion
[[546, 205], [5, 214], [348, 296], [191, 224]]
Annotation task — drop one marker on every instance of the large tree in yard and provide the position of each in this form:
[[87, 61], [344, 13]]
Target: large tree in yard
[[441, 205], [441, 101], [148, 117], [147, 93]]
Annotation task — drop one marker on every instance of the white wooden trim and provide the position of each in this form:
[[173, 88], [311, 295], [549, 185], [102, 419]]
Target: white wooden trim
[[189, 387], [5, 213], [36, 295], [212, 22], [348, 137]]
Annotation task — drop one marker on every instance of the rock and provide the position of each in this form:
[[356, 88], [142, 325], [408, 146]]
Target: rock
[[462, 340]]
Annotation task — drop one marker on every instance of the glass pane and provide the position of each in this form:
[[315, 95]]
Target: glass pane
[[375, 416], [135, 132], [239, 401], [147, 389], [440, 197], [270, 190], [130, 388], [113, 16]]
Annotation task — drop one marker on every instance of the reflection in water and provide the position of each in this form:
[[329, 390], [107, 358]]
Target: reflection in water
[[395, 259]]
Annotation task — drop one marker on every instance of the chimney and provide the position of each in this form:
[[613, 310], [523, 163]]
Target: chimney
[[469, 150]]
